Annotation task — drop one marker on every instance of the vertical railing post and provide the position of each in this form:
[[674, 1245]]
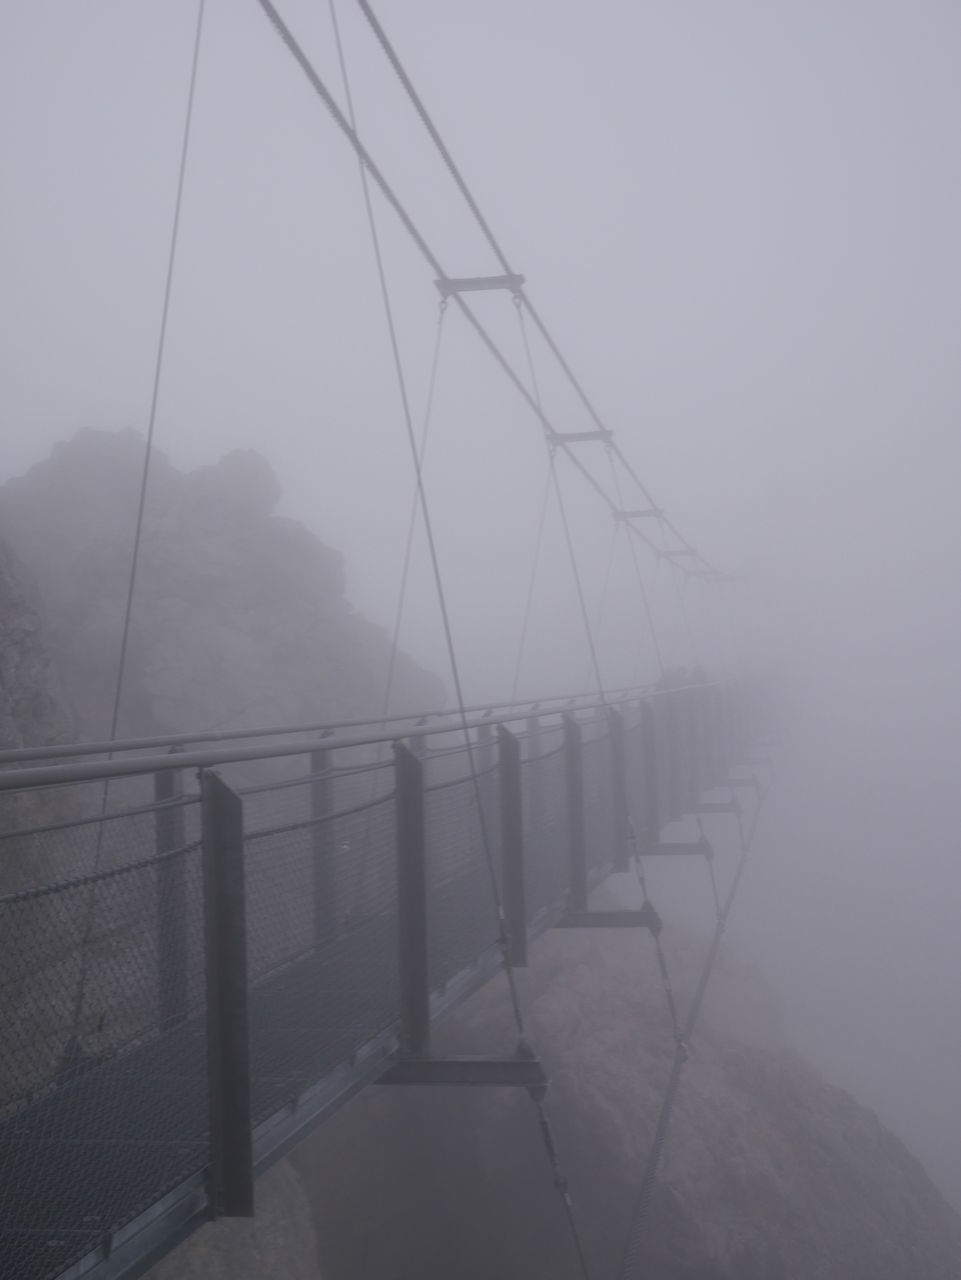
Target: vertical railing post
[[618, 788], [321, 840], [171, 898], [692, 699], [412, 903], [486, 760], [671, 754], [652, 822], [512, 843], [574, 782], [228, 1053]]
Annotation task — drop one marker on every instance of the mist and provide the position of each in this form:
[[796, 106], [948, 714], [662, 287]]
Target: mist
[[740, 221]]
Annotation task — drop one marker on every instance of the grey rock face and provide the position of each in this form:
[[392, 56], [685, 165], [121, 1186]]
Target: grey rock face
[[769, 1173], [239, 614], [31, 704]]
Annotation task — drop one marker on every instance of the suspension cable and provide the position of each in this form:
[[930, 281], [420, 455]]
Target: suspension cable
[[588, 631], [521, 296], [522, 643], [72, 1049], [421, 490], [317, 84], [642, 589], [361, 875]]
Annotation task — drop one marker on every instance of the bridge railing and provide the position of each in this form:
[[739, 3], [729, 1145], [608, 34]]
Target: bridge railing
[[192, 979]]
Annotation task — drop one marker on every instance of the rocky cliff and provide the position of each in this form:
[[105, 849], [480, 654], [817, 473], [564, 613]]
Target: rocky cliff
[[240, 614], [769, 1173]]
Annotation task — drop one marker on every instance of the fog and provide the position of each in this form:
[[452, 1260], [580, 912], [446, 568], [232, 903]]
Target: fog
[[740, 221]]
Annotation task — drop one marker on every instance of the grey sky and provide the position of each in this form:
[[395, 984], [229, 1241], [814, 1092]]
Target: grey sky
[[741, 221]]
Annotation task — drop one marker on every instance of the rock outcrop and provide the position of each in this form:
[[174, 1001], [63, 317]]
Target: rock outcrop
[[769, 1172], [240, 614]]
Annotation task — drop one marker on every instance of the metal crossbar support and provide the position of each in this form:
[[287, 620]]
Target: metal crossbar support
[[690, 708], [719, 806], [574, 783], [681, 848], [512, 844], [644, 918], [671, 755], [651, 811], [228, 1053], [321, 842], [447, 285], [641, 514], [411, 903], [171, 898], [618, 788], [517, 1072], [577, 437]]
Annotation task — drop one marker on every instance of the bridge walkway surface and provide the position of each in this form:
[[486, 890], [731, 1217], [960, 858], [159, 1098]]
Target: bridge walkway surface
[[112, 1109]]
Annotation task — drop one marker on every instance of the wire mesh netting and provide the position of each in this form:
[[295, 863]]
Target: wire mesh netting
[[544, 803], [103, 1088], [321, 946], [462, 922]]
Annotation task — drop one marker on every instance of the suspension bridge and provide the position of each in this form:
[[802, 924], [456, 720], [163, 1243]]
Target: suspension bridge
[[269, 919]]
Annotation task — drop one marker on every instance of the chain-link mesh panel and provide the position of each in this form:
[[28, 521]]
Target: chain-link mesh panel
[[546, 853], [103, 1087], [321, 947], [462, 920]]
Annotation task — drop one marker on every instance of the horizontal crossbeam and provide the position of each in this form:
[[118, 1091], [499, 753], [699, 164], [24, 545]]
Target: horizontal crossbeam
[[478, 284], [577, 437], [640, 514], [719, 806], [680, 849], [645, 918], [516, 1072]]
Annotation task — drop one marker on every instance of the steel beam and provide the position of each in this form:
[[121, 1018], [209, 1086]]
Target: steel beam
[[516, 1072], [447, 285], [574, 782], [412, 903], [512, 844], [644, 917], [228, 1051], [618, 789]]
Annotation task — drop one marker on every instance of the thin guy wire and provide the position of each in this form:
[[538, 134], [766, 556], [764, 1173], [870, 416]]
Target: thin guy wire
[[564, 521], [72, 1046], [535, 388], [645, 599], [438, 581], [661, 961], [522, 643]]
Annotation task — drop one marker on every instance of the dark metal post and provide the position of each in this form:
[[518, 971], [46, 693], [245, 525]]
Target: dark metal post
[[618, 789], [325, 881], [671, 755], [486, 760], [412, 903], [512, 844], [652, 821], [171, 898], [574, 781], [228, 1054], [691, 707]]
